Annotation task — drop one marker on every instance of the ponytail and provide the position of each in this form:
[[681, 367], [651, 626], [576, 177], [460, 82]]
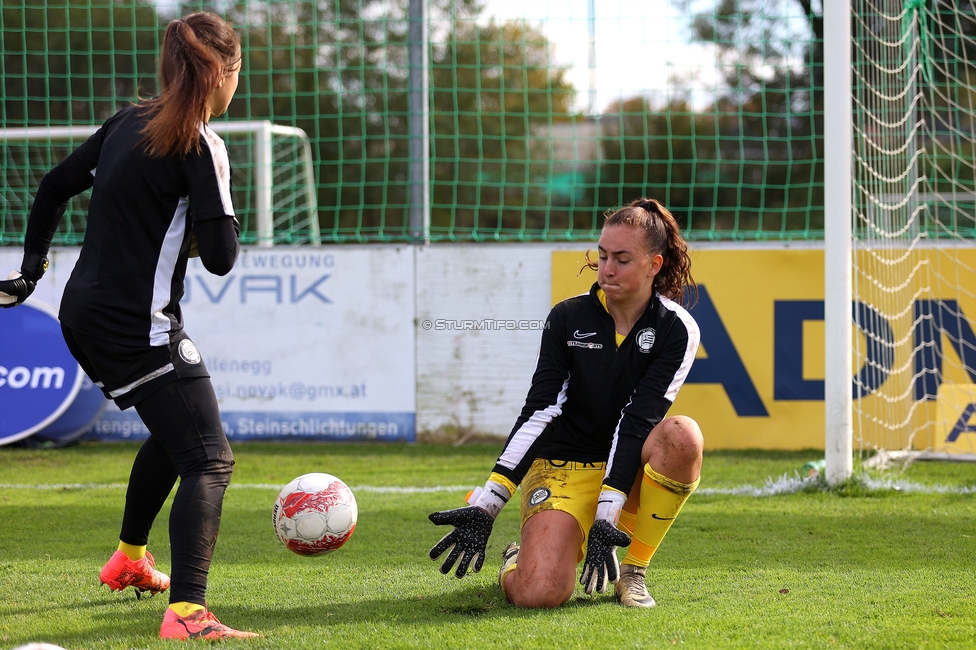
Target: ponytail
[[195, 54]]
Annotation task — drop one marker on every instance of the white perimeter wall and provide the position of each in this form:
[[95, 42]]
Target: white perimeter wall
[[476, 379]]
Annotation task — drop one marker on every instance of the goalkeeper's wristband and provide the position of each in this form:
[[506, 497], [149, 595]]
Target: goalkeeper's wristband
[[33, 266], [491, 498], [610, 504]]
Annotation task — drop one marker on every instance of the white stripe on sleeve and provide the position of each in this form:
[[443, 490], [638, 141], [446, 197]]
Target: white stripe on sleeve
[[531, 429]]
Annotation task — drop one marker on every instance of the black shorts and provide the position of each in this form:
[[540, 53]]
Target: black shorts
[[129, 374]]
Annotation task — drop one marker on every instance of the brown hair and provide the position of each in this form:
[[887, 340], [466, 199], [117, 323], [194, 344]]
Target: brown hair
[[661, 236], [196, 53]]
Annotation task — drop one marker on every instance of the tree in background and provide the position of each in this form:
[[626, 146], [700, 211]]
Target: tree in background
[[772, 59], [67, 64], [750, 161], [496, 95], [339, 71], [71, 63], [505, 141]]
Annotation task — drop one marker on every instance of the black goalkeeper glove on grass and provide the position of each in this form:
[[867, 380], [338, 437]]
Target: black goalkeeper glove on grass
[[472, 527], [601, 565]]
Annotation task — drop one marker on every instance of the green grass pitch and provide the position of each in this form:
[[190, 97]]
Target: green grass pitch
[[754, 561]]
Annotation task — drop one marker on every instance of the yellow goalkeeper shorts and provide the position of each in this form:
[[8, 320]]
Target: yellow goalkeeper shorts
[[572, 487]]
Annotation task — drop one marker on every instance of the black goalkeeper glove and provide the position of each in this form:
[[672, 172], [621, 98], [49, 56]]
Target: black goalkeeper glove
[[472, 527], [20, 285], [601, 566]]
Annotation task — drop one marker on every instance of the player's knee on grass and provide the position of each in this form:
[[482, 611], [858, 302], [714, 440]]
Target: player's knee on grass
[[541, 589]]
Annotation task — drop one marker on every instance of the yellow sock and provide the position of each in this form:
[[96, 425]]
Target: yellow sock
[[185, 609], [660, 502], [133, 552]]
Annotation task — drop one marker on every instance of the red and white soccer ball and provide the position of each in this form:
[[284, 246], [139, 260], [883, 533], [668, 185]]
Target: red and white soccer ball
[[314, 514]]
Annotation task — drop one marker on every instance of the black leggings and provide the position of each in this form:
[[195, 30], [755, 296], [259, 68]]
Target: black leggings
[[186, 441]]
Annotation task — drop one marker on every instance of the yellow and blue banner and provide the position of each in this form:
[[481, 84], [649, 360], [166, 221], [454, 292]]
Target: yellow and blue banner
[[758, 381]]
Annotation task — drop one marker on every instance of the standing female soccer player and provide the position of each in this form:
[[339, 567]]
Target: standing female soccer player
[[158, 175], [592, 448]]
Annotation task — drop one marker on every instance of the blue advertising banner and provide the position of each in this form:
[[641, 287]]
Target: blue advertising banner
[[39, 379], [79, 418], [267, 425]]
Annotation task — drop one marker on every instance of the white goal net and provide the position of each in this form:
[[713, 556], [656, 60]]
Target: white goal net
[[914, 205]]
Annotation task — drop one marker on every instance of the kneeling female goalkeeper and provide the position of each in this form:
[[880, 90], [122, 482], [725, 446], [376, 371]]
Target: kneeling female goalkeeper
[[593, 450]]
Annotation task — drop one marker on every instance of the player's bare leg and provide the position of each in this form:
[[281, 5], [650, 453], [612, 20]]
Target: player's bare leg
[[545, 575]]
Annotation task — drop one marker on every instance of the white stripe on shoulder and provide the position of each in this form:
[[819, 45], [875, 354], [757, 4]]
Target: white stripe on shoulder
[[691, 350], [531, 429], [221, 161]]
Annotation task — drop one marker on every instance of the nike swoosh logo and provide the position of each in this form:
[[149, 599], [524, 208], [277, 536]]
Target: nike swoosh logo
[[578, 336], [654, 516]]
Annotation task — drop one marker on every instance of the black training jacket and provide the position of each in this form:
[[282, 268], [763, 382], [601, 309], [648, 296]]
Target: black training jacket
[[591, 401], [128, 282]]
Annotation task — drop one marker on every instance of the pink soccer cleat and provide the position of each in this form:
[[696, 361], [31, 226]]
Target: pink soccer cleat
[[201, 624], [121, 572]]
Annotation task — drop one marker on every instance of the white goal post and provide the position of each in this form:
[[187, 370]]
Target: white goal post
[[263, 165], [838, 326]]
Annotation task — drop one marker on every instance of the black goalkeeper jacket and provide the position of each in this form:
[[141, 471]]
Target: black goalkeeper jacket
[[591, 401]]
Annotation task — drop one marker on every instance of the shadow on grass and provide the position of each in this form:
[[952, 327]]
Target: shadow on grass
[[460, 604]]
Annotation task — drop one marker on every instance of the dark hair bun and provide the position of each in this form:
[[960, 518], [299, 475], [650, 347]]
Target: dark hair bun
[[650, 205]]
